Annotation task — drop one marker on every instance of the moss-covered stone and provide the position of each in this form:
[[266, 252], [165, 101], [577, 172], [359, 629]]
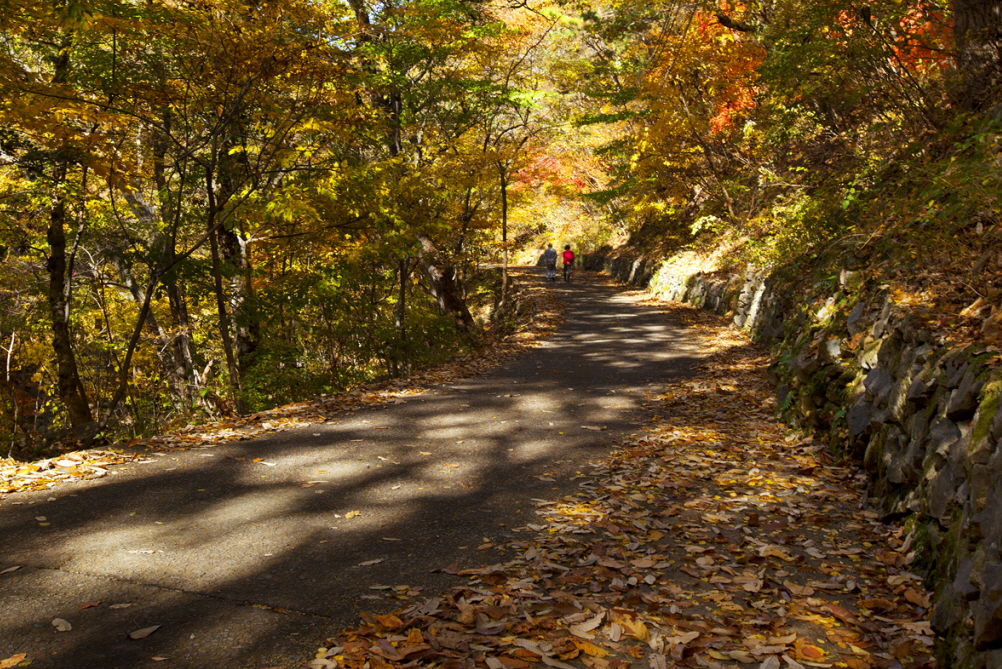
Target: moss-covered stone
[[985, 416]]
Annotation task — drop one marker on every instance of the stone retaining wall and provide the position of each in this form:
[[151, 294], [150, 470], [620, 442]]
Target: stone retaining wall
[[921, 415]]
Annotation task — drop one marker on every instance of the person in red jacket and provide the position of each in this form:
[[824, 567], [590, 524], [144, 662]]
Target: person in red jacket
[[568, 257]]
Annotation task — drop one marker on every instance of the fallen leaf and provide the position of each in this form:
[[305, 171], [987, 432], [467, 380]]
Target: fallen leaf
[[370, 562], [61, 625], [877, 604], [88, 605], [120, 606], [352, 514], [582, 629], [144, 632], [683, 639], [917, 598], [390, 622], [13, 661], [589, 648], [10, 569], [775, 551]]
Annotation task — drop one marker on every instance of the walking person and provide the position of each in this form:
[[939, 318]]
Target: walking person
[[550, 260], [568, 256]]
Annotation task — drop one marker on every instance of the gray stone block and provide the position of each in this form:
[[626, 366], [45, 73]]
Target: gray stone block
[[988, 609], [963, 401], [962, 585], [878, 384], [868, 357], [955, 366], [874, 453], [854, 323], [922, 387], [859, 420], [881, 323], [889, 356], [943, 434], [918, 428], [947, 612], [940, 495]]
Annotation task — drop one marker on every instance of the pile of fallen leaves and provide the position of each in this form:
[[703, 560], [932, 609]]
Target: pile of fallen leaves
[[44, 474], [541, 313], [715, 539]]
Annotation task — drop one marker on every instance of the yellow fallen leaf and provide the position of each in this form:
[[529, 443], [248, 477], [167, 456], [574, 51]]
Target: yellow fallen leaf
[[13, 661], [774, 551], [352, 514], [589, 648], [635, 628], [390, 622]]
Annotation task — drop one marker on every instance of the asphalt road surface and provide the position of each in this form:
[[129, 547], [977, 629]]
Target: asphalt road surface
[[251, 565]]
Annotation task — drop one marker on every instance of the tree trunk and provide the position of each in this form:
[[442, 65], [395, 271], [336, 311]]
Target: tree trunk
[[978, 33], [71, 388], [444, 284], [504, 232], [402, 365], [184, 353], [246, 327], [217, 279], [170, 210]]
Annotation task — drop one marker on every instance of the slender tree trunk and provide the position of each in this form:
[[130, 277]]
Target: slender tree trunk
[[184, 352], [403, 268], [246, 327], [181, 342], [504, 232], [217, 278], [71, 388]]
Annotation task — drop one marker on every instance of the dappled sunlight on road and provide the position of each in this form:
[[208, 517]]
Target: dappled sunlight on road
[[360, 504]]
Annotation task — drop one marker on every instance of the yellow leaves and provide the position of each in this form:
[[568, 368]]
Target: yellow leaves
[[634, 627], [392, 622], [590, 648], [806, 651], [43, 474], [13, 660], [775, 551]]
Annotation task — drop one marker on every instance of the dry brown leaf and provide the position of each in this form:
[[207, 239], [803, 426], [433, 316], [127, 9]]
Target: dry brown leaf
[[144, 632]]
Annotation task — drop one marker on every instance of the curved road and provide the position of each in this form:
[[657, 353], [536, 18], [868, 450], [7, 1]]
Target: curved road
[[247, 564]]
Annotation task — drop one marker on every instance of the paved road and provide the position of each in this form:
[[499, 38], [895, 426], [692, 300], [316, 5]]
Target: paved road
[[249, 564]]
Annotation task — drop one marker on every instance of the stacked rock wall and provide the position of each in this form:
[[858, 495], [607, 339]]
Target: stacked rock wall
[[920, 414]]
